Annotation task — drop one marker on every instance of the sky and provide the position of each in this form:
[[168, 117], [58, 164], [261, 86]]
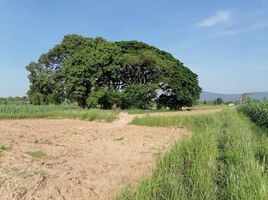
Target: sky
[[224, 42]]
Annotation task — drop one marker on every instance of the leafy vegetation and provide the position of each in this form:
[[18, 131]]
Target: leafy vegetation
[[93, 72], [256, 111], [55, 111], [223, 159]]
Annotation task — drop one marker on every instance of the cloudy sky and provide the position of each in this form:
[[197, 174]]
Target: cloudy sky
[[224, 42]]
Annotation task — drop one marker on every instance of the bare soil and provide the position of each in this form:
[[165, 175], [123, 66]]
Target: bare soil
[[84, 160]]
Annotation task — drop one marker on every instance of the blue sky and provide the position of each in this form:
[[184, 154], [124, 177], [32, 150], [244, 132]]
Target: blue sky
[[224, 42]]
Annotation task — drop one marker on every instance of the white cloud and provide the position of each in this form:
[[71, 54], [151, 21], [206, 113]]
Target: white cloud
[[220, 17]]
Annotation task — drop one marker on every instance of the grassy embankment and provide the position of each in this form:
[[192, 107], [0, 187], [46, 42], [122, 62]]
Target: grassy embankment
[[225, 158], [55, 111]]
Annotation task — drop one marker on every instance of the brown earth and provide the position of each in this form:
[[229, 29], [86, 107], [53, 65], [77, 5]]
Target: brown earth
[[84, 160]]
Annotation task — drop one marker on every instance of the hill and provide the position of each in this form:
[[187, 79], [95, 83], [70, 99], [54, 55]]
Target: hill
[[208, 96]]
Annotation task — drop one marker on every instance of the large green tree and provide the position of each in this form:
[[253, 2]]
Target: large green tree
[[95, 72]]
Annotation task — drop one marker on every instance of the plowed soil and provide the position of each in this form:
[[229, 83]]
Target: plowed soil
[[84, 160]]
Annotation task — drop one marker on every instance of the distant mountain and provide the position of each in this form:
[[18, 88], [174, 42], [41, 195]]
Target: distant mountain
[[208, 96]]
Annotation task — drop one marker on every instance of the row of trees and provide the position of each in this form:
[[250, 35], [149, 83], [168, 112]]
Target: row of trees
[[14, 100], [94, 72], [244, 98]]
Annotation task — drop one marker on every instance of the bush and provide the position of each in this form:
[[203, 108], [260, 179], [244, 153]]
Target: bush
[[257, 112], [94, 97], [136, 96], [103, 98]]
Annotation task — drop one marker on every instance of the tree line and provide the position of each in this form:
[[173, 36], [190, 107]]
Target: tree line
[[94, 72], [14, 100]]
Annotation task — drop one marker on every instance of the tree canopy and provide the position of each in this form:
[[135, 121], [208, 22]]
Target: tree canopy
[[94, 72]]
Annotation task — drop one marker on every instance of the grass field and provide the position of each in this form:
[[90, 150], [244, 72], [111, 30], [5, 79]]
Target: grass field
[[225, 158], [54, 111]]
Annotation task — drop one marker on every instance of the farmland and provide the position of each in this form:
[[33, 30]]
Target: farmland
[[170, 155], [79, 159]]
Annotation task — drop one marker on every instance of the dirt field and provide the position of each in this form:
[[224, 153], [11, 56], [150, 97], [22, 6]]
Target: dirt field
[[84, 160]]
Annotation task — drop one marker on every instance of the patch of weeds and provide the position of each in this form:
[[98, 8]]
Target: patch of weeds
[[118, 139], [36, 154], [4, 148], [21, 191], [43, 141], [41, 173], [14, 169]]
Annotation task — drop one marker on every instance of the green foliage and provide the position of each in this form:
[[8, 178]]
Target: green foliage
[[218, 101], [109, 98], [104, 98], [257, 112], [181, 89], [14, 100], [136, 96], [91, 67], [218, 161], [36, 98], [78, 67], [46, 75], [94, 97], [142, 67]]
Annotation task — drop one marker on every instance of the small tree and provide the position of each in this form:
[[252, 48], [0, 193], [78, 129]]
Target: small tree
[[218, 101], [244, 98]]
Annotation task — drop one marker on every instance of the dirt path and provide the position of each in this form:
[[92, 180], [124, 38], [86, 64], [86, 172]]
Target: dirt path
[[85, 160]]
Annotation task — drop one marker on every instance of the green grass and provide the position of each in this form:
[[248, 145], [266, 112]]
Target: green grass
[[36, 154], [4, 148], [225, 158], [205, 107], [201, 107], [55, 111], [140, 111]]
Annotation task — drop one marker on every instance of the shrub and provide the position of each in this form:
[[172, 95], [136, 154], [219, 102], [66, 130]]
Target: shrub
[[257, 112]]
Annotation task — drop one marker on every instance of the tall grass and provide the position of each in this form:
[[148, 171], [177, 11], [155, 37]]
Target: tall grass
[[140, 111], [199, 107], [54, 111], [219, 161]]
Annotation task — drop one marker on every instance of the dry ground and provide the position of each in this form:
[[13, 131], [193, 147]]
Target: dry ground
[[84, 160]]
